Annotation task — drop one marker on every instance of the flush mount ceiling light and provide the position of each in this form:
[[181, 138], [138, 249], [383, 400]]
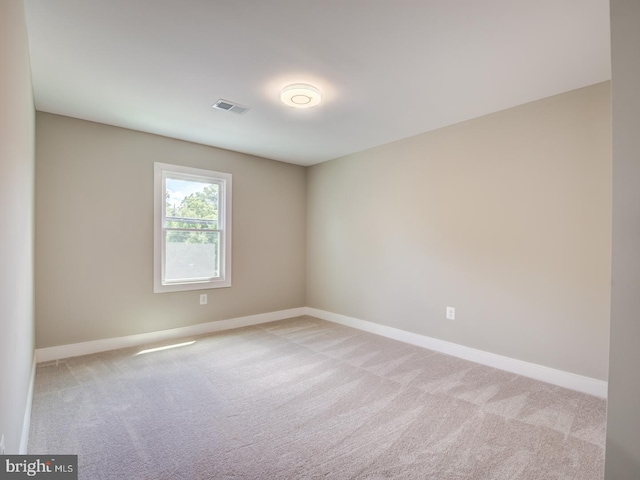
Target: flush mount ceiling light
[[300, 95]]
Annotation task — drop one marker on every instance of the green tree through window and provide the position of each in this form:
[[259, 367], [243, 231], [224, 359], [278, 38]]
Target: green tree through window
[[196, 211]]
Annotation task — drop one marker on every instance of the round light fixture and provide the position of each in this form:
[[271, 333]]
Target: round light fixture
[[300, 95]]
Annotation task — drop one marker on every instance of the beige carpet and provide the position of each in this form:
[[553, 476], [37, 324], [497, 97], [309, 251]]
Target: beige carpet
[[307, 399]]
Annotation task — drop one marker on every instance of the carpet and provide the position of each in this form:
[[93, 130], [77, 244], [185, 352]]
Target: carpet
[[308, 399]]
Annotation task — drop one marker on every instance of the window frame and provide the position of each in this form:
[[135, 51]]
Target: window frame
[[224, 180]]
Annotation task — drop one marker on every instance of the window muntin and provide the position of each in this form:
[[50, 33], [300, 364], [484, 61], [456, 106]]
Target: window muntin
[[192, 228]]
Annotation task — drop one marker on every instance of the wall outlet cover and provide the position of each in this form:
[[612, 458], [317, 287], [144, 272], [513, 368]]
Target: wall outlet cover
[[451, 313]]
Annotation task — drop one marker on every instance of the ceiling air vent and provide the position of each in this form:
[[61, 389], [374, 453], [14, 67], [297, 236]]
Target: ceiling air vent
[[230, 107]]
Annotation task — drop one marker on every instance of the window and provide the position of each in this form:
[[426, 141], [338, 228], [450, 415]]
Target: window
[[192, 229]]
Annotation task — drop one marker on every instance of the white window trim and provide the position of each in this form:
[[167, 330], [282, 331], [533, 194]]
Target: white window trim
[[158, 244]]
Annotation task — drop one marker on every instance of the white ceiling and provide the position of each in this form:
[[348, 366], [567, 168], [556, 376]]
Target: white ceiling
[[387, 69]]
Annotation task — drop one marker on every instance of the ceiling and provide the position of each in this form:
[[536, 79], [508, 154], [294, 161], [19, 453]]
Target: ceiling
[[387, 69]]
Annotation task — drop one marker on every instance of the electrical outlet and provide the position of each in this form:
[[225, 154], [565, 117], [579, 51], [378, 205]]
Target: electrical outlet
[[451, 313], [203, 299], [2, 445]]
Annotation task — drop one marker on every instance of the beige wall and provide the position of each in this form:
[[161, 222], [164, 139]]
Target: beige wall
[[505, 217], [623, 412], [16, 218], [94, 245]]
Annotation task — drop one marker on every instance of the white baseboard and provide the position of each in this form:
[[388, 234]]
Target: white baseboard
[[26, 421], [561, 378], [95, 346]]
